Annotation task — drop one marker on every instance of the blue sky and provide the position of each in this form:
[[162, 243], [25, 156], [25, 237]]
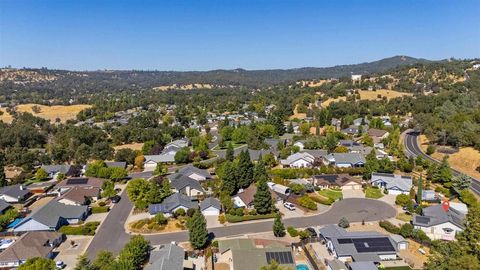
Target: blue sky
[[204, 35]]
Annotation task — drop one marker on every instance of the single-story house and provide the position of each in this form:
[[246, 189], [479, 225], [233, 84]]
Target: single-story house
[[438, 223], [186, 185], [83, 182], [52, 216], [210, 207], [194, 173], [358, 246], [377, 134], [168, 257], [4, 206], [80, 196], [172, 203], [180, 143], [244, 198], [30, 245], [252, 254], [345, 160], [14, 193], [151, 161], [343, 181], [394, 183], [280, 189], [54, 170], [300, 144], [400, 242], [116, 164], [298, 160]]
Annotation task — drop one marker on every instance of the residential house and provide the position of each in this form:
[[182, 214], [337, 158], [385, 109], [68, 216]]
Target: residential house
[[439, 224], [280, 189], [180, 143], [342, 181], [83, 182], [358, 246], [80, 196], [30, 245], [194, 173], [168, 257], [14, 193], [54, 170], [186, 185], [394, 183], [345, 160], [244, 198], [300, 144], [210, 207], [51, 217], [151, 161], [4, 206], [298, 160], [172, 203], [377, 134], [253, 254], [429, 195]]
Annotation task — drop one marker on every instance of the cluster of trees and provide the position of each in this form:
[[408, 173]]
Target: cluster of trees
[[143, 192], [100, 169]]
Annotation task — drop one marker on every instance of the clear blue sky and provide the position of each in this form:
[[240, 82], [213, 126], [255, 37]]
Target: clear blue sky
[[203, 35]]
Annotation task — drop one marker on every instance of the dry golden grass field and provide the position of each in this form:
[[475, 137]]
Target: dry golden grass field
[[370, 95], [50, 113], [466, 160], [297, 115], [133, 146]]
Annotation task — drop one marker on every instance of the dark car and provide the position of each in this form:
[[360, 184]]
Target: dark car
[[115, 199], [312, 232]]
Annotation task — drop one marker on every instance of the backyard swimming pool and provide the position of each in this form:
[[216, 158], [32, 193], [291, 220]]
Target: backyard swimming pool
[[302, 267]]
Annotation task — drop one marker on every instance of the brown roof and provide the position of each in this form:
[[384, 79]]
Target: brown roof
[[373, 132], [333, 179], [29, 245], [81, 182], [12, 172], [78, 194], [248, 193]]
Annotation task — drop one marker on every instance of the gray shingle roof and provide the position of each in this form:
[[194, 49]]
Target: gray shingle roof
[[351, 158], [118, 164], [4, 205], [210, 201], [190, 169], [181, 181], [15, 191], [167, 257], [61, 168], [403, 183], [171, 202], [435, 215], [51, 213]]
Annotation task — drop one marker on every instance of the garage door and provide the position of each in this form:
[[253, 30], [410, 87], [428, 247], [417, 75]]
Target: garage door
[[211, 212]]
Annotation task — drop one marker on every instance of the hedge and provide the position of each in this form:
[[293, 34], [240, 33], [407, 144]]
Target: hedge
[[99, 209], [389, 227], [235, 219], [307, 202], [322, 200], [85, 229], [292, 173]]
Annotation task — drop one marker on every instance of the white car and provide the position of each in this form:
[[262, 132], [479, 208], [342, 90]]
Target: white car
[[59, 264], [289, 206]]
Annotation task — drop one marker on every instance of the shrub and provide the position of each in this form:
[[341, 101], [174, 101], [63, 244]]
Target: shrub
[[190, 212], [253, 212], [344, 223], [292, 231], [180, 212], [430, 149], [160, 219], [222, 219], [88, 228], [406, 230], [99, 209], [307, 202], [389, 227], [304, 234], [102, 203], [402, 199], [322, 200], [239, 211]]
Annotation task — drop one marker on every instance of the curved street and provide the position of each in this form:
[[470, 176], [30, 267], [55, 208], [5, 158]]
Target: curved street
[[112, 236], [413, 149]]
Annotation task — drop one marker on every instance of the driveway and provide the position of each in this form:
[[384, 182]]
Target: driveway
[[68, 253], [355, 193], [112, 235]]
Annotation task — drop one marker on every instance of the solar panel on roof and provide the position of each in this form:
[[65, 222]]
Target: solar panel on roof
[[423, 220], [344, 241], [373, 244], [77, 181], [283, 257]]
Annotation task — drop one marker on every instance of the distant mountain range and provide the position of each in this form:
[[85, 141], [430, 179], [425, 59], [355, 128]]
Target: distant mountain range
[[237, 77]]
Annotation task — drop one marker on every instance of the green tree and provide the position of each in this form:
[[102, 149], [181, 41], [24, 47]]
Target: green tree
[[278, 227], [343, 223], [41, 174], [197, 230], [137, 190], [160, 169], [443, 173], [83, 263], [160, 219], [245, 170], [229, 178], [135, 252], [461, 182], [229, 155], [262, 200], [290, 128], [260, 172], [331, 142], [117, 173], [419, 190], [108, 189], [274, 265], [183, 155], [38, 263], [125, 155], [94, 168], [3, 178], [103, 260]]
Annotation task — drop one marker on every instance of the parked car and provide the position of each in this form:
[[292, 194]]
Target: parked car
[[60, 264], [312, 232], [115, 199], [289, 206]]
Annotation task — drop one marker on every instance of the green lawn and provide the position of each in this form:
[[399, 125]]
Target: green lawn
[[332, 194], [235, 145], [373, 193]]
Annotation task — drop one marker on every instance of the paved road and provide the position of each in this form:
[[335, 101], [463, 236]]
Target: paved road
[[112, 235], [413, 149]]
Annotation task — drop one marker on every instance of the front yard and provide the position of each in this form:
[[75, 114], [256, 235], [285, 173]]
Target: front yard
[[331, 193], [149, 225], [373, 193]]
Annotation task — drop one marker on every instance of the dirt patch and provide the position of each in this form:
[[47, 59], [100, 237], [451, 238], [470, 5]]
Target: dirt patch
[[298, 115], [389, 94], [50, 113], [412, 256], [329, 101], [150, 226], [133, 146]]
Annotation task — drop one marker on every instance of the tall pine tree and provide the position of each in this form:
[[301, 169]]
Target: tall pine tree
[[260, 172], [419, 190], [278, 227], [197, 230], [230, 152], [230, 178], [3, 178], [262, 200], [245, 170]]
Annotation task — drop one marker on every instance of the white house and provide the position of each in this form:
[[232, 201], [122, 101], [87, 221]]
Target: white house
[[298, 160], [14, 193], [300, 145], [172, 203], [439, 224], [281, 189], [345, 160], [395, 184], [210, 207], [151, 161]]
